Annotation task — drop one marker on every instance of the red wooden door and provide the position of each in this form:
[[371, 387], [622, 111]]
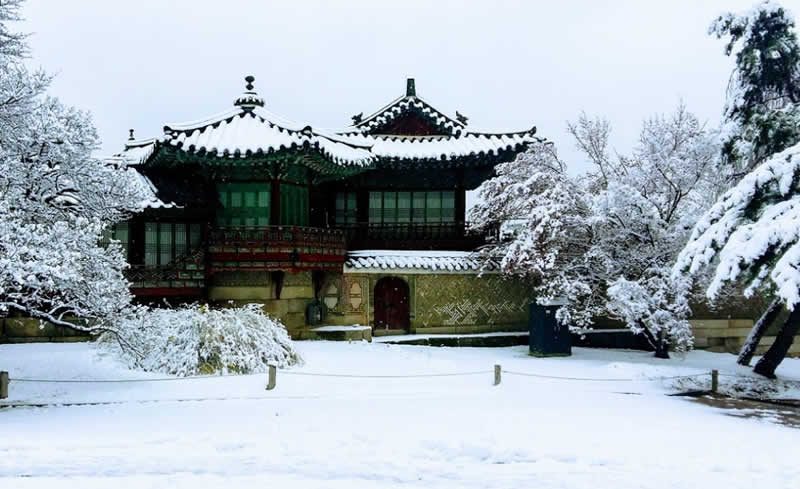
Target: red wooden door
[[391, 304]]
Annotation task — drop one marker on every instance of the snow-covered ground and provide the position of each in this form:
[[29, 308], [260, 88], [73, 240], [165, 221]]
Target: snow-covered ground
[[431, 432]]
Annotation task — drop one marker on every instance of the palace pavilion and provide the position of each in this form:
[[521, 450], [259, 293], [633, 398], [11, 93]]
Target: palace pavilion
[[358, 226]]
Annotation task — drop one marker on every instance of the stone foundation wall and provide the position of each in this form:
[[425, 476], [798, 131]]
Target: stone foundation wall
[[297, 291], [28, 330], [729, 335]]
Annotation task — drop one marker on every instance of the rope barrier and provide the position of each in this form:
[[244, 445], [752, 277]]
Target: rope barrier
[[651, 379], [359, 376], [356, 376], [106, 381]]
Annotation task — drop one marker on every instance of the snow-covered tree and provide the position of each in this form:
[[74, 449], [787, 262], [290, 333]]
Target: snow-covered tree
[[549, 212], [56, 198], [762, 120], [761, 115], [605, 241], [752, 235]]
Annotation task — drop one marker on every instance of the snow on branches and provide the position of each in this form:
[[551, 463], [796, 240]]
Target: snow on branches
[[761, 115], [55, 200], [197, 340], [753, 233], [605, 241]]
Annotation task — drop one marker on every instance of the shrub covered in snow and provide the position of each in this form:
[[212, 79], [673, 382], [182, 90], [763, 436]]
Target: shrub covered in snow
[[196, 340]]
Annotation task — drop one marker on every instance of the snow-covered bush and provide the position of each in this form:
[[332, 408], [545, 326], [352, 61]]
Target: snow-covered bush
[[657, 305], [196, 339]]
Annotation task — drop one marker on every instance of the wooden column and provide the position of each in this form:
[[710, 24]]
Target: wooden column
[[3, 385], [362, 205], [136, 249], [275, 202], [461, 203]]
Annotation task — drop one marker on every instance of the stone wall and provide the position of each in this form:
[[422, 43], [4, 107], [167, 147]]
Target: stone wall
[[28, 330], [729, 335], [297, 291], [438, 302]]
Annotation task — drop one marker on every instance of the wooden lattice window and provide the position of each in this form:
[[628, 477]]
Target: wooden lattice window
[[430, 206], [243, 204], [166, 241], [346, 208]]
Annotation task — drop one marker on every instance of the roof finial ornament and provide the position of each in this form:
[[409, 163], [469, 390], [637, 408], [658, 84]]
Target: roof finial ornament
[[249, 100], [411, 89], [357, 118], [461, 118], [130, 137]]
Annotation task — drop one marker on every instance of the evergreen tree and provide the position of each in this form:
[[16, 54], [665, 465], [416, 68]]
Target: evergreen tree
[[762, 111], [761, 119]]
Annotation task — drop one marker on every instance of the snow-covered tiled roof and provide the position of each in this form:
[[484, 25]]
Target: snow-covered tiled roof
[[137, 152], [247, 131], [250, 129], [444, 147], [409, 260], [403, 105]]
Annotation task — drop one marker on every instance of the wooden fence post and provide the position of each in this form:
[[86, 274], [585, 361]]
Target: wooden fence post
[[3, 385], [497, 374], [714, 380], [271, 380]]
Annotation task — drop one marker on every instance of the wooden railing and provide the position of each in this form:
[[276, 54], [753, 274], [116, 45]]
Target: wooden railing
[[185, 275], [276, 248], [291, 248]]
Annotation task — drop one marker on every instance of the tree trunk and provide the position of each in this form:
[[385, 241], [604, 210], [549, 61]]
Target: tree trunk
[[777, 352], [758, 331], [662, 345]]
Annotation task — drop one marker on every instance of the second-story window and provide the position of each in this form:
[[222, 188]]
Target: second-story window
[[243, 204], [164, 242], [429, 206], [346, 211]]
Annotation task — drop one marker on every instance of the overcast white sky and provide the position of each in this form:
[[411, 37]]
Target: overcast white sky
[[507, 65]]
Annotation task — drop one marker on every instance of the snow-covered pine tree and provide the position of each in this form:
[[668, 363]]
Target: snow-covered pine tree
[[605, 240], [56, 198], [761, 113], [752, 235], [761, 116]]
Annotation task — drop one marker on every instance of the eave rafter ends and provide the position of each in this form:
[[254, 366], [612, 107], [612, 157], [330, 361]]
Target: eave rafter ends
[[249, 130]]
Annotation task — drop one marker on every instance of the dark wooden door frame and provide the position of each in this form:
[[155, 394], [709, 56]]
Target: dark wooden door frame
[[392, 304]]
